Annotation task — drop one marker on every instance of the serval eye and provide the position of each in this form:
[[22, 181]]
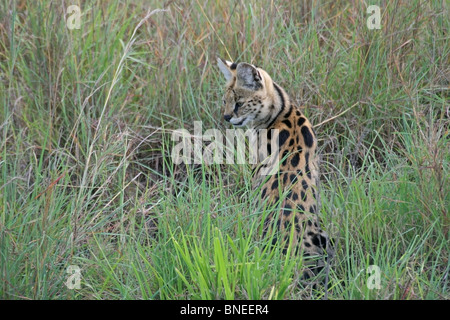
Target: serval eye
[[237, 106]]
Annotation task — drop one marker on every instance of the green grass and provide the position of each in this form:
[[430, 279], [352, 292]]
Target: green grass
[[87, 179]]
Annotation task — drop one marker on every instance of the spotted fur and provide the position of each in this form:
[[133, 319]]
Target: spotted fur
[[254, 100]]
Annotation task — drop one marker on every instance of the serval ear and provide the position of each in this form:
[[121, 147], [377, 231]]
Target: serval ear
[[248, 76], [227, 68]]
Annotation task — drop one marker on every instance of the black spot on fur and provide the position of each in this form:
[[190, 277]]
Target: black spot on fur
[[295, 160], [319, 240], [301, 208], [284, 135], [301, 121], [313, 209], [291, 142], [294, 196], [275, 184], [274, 241], [308, 172], [297, 113], [303, 196], [289, 193], [288, 114], [284, 157], [287, 123], [304, 184], [287, 210], [293, 177], [307, 244], [307, 136], [263, 194], [285, 177], [233, 66]]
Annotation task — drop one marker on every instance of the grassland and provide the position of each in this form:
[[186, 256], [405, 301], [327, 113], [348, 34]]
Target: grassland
[[87, 179]]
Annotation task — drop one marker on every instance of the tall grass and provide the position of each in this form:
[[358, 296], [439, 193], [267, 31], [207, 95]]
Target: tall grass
[[87, 179]]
